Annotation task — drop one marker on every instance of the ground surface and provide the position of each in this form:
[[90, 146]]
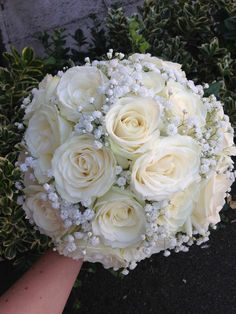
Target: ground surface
[[198, 282]]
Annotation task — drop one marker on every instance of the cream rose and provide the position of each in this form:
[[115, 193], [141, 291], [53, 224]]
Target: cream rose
[[212, 197], [76, 88], [81, 170], [41, 212], [109, 257], [227, 142], [119, 220], [170, 167], [132, 124], [183, 99], [46, 131], [43, 95], [173, 66], [143, 58], [177, 215], [153, 81], [159, 63]]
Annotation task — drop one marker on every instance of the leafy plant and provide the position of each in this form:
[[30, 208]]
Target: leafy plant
[[118, 35], [21, 73], [199, 35], [57, 54]]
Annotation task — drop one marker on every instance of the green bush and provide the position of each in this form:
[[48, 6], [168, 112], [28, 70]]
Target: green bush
[[21, 73], [199, 35]]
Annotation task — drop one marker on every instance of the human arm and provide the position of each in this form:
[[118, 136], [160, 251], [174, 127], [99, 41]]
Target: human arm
[[44, 288]]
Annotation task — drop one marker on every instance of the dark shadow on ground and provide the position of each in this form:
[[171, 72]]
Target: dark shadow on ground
[[200, 281]]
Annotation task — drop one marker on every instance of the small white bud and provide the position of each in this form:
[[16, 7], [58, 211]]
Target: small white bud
[[166, 253], [125, 272]]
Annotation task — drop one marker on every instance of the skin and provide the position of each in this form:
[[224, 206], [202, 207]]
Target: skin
[[44, 288]]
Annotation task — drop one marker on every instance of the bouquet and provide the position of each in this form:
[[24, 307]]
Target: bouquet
[[124, 158]]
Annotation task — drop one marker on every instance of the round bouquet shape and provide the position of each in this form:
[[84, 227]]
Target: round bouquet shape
[[124, 158]]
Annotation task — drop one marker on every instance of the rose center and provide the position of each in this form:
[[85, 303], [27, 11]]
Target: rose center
[[131, 125], [165, 166], [122, 216], [84, 163], [46, 209]]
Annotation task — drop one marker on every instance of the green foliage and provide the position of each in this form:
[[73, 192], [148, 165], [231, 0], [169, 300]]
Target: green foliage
[[201, 36], [21, 73], [80, 41], [57, 54], [17, 79], [198, 34], [124, 32], [138, 41], [98, 45], [16, 235], [118, 31]]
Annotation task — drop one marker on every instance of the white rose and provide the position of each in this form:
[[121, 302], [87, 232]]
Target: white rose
[[211, 200], [34, 172], [143, 58], [41, 166], [109, 257], [119, 220], [183, 99], [81, 170], [159, 63], [41, 212], [169, 242], [76, 88], [153, 81], [42, 95], [174, 66], [177, 215], [28, 176], [170, 167], [227, 145], [132, 124], [45, 132]]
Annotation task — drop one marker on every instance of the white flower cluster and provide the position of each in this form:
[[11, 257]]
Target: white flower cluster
[[124, 158]]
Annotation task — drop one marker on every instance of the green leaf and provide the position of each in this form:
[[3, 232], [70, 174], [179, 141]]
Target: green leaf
[[10, 252], [3, 223], [228, 28], [28, 54], [7, 211], [50, 61], [214, 89], [138, 40]]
